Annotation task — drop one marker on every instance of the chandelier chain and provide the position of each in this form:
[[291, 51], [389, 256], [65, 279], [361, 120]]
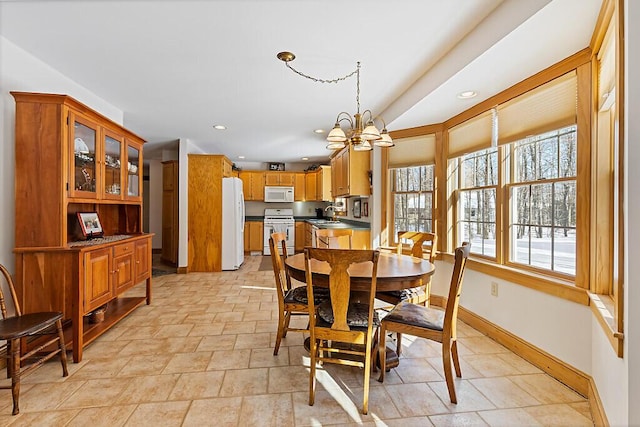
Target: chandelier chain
[[317, 80]]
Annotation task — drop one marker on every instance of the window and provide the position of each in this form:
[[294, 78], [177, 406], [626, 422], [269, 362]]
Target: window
[[476, 222], [543, 201], [412, 199]]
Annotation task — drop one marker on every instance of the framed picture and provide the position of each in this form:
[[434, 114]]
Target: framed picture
[[365, 209], [356, 208], [276, 166], [90, 224]]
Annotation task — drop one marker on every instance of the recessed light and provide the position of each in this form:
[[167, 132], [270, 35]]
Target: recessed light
[[305, 158], [318, 131], [219, 127], [467, 94], [241, 157]]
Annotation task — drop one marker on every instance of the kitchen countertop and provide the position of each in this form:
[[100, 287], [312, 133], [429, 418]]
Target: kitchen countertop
[[321, 223], [343, 223]]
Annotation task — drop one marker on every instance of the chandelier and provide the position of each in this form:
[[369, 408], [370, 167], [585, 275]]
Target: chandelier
[[361, 131]]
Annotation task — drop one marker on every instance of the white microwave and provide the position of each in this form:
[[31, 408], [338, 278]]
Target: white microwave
[[278, 194]]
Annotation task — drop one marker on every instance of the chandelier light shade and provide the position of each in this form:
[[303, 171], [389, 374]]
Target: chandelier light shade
[[359, 136]]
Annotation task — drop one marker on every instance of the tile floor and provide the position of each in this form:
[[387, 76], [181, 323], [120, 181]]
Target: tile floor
[[201, 355]]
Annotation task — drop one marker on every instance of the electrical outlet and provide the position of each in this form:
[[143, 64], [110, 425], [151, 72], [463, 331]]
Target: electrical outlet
[[494, 289]]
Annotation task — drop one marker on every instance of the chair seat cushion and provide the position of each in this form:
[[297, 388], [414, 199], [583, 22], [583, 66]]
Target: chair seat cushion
[[27, 324], [416, 315], [406, 294], [299, 295], [357, 314]]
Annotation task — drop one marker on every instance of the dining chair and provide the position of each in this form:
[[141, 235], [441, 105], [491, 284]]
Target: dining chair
[[430, 323], [342, 327], [331, 237], [292, 301], [419, 294], [13, 329]]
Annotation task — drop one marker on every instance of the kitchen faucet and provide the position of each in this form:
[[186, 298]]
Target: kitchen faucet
[[333, 211]]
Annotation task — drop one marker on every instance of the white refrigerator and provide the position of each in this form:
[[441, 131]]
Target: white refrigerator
[[232, 224]]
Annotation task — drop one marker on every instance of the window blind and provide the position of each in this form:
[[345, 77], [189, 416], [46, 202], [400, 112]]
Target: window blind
[[414, 151], [471, 135], [607, 69], [548, 107]]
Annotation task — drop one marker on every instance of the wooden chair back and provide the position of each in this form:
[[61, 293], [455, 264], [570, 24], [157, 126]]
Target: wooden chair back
[[426, 322], [12, 291], [45, 327], [455, 290], [283, 281], [333, 235], [418, 239], [326, 336]]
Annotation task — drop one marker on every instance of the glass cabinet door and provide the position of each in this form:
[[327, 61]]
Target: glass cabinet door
[[84, 166], [112, 167], [134, 171]]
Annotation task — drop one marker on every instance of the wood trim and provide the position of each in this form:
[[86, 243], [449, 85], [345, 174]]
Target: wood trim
[[583, 176], [439, 199], [563, 372], [386, 213], [542, 283], [417, 131], [598, 414], [48, 98], [568, 64], [182, 270], [620, 116], [606, 11], [602, 307]]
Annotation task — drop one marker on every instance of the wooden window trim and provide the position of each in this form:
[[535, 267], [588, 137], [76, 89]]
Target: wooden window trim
[[548, 284]]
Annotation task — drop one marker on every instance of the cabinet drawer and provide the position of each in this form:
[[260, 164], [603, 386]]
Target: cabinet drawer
[[123, 249]]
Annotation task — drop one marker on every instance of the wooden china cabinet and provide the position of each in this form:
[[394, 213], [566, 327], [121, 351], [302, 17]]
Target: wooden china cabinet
[[71, 159]]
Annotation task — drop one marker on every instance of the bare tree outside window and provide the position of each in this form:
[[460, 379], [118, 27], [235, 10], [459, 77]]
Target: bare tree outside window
[[478, 177], [413, 199], [543, 195]]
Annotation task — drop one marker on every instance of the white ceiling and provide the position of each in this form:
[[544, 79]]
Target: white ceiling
[[176, 68]]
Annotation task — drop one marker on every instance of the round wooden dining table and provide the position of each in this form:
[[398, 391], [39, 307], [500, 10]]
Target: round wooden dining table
[[395, 272]]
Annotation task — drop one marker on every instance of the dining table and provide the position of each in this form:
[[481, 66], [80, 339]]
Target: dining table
[[395, 272]]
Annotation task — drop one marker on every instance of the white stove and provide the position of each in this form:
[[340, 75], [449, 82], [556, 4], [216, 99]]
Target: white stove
[[279, 220]]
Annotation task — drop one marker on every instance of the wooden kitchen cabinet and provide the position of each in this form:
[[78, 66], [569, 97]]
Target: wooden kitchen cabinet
[[170, 212], [282, 179], [318, 184], [299, 190], [70, 159], [253, 184], [300, 237], [227, 168], [323, 184], [253, 236], [308, 234], [350, 173], [310, 186]]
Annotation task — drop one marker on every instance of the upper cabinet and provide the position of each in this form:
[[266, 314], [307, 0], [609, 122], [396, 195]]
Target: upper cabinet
[[299, 191], [83, 142], [350, 173], [103, 163], [318, 184], [134, 171], [252, 184], [73, 159], [283, 179], [227, 169]]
